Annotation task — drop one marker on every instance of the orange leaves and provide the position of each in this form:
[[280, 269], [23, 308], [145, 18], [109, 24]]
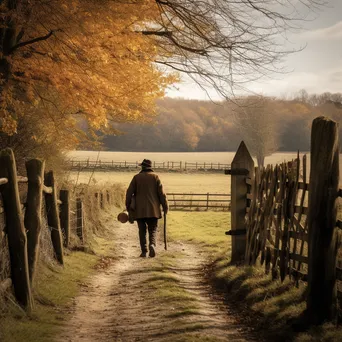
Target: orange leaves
[[8, 124], [97, 64]]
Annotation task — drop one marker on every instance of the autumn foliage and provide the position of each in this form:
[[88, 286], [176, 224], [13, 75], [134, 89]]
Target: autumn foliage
[[75, 67], [265, 124], [71, 63]]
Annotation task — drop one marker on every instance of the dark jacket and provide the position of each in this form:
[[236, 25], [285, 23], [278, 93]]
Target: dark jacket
[[148, 194]]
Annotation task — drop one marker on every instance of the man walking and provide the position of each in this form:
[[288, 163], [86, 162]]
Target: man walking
[[144, 197]]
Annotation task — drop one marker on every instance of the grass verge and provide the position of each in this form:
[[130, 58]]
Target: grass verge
[[204, 228], [54, 291], [269, 306]]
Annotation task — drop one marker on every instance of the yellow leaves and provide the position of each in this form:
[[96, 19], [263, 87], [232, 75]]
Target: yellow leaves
[[98, 65], [8, 124]]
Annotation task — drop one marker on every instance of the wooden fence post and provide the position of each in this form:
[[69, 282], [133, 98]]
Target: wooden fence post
[[33, 213], [53, 217], [97, 199], [64, 215], [15, 229], [108, 197], [79, 219], [241, 167], [323, 190], [101, 200]]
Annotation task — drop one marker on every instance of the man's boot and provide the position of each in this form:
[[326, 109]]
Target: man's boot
[[152, 251]]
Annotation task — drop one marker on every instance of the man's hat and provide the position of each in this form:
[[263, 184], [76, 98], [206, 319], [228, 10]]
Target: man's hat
[[146, 163]]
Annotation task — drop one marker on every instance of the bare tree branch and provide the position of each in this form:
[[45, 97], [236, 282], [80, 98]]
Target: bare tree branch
[[33, 41]]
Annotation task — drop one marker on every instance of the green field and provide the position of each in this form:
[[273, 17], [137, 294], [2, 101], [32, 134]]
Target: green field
[[172, 182]]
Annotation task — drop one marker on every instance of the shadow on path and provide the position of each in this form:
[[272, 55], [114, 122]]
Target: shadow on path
[[119, 304]]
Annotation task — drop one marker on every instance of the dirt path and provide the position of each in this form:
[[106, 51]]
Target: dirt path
[[119, 305]]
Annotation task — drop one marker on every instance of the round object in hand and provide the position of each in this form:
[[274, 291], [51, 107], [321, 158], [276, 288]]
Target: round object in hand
[[123, 217]]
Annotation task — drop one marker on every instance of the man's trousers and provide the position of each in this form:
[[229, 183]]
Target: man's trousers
[[150, 224]]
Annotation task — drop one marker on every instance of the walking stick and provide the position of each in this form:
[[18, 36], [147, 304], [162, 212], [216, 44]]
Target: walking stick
[[165, 236]]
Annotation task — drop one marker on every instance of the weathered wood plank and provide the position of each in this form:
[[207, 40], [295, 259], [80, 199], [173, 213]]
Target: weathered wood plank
[[173, 206], [298, 275], [47, 189], [303, 186], [299, 226], [236, 171], [299, 235], [79, 219], [303, 259], [301, 205], [242, 161], [3, 181], [324, 181], [52, 214], [16, 234], [283, 262], [191, 194], [279, 211], [64, 216], [33, 220], [303, 210], [22, 179], [236, 232], [251, 218], [295, 226], [199, 200]]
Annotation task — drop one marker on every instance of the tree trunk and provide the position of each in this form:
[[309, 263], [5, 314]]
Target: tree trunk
[[260, 160]]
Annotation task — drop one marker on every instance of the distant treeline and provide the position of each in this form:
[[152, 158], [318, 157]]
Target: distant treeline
[[191, 125]]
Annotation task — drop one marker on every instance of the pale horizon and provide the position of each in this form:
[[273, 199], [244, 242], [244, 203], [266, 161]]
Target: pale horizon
[[317, 68]]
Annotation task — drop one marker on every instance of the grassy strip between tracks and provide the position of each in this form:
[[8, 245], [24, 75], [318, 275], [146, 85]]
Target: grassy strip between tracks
[[268, 306]]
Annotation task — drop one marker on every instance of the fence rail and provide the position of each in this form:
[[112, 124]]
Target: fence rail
[[204, 201], [125, 165]]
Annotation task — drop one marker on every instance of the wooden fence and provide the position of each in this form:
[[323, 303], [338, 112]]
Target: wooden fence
[[23, 221], [124, 165], [289, 221], [207, 201]]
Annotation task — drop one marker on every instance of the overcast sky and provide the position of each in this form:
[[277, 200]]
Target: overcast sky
[[318, 68]]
